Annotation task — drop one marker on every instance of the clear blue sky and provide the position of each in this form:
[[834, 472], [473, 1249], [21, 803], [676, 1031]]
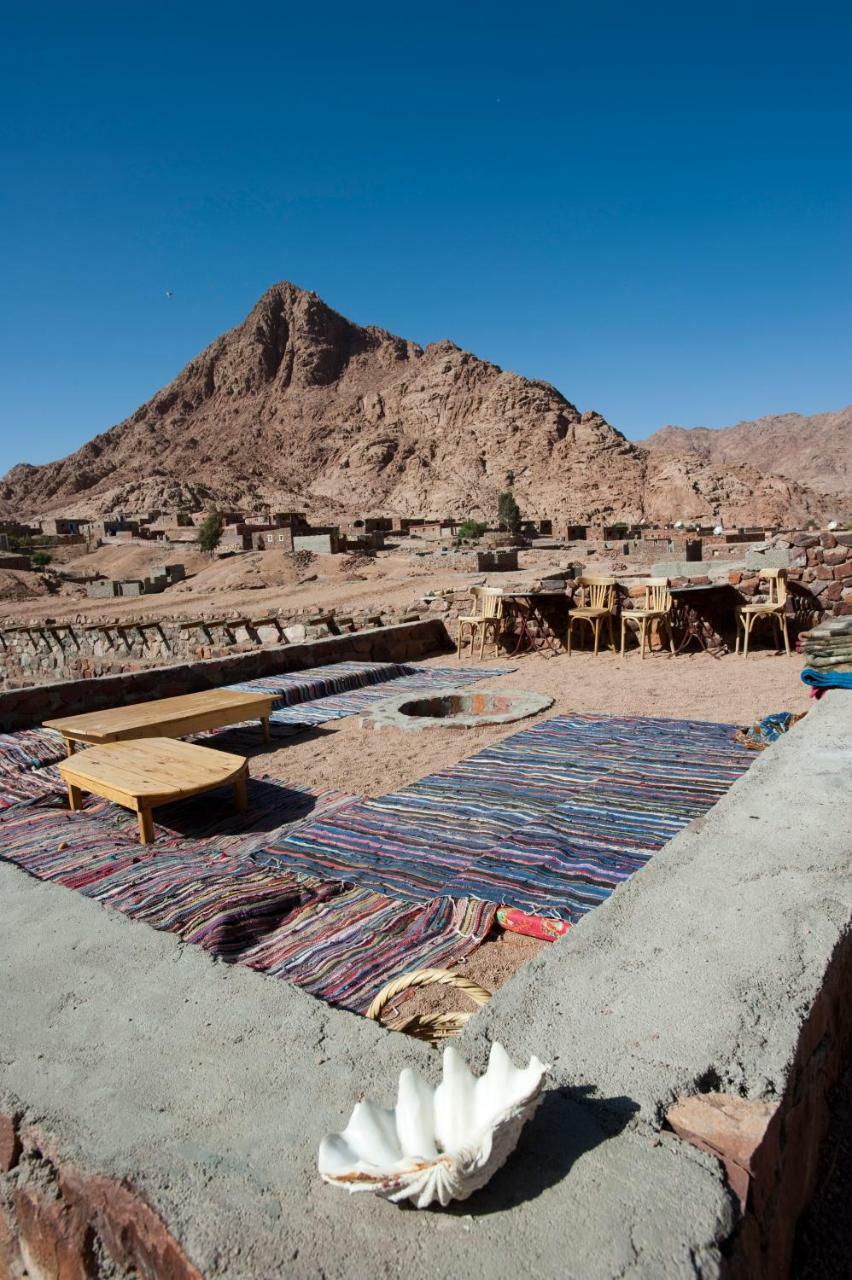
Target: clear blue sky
[[647, 205]]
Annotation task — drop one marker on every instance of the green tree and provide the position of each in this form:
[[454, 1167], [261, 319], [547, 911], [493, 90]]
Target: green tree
[[471, 529], [508, 513], [41, 560], [210, 531]]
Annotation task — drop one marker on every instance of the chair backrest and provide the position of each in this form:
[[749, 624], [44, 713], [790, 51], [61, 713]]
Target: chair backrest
[[599, 592], [776, 582], [489, 601], [657, 595]]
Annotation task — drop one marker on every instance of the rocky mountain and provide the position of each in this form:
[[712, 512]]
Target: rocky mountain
[[815, 451], [299, 407]]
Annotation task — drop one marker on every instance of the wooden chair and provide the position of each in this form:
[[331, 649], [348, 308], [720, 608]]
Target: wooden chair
[[599, 594], [657, 608], [773, 607], [488, 618]]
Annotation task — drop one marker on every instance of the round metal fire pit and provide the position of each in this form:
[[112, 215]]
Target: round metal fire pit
[[456, 709]]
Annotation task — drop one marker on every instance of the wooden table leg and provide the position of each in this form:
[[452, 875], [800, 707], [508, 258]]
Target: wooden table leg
[[264, 724], [240, 792], [70, 746], [146, 826], [75, 797]]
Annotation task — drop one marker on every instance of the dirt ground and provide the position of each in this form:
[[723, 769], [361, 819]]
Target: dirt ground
[[731, 690], [343, 755], [256, 583]]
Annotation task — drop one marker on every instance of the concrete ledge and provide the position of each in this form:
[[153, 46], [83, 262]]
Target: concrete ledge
[[21, 708], [720, 967]]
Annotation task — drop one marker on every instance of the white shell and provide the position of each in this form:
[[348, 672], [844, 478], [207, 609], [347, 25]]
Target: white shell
[[436, 1144]]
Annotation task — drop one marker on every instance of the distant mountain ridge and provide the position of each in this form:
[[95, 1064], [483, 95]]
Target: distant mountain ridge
[[299, 407], [815, 450]]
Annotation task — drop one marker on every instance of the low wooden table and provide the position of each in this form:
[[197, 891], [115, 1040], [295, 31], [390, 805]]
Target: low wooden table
[[142, 774], [166, 717]]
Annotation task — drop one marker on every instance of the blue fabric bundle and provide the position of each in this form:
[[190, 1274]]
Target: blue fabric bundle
[[827, 679]]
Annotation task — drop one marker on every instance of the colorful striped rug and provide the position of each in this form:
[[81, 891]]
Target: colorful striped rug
[[548, 821], [293, 687], [345, 948], [343, 689], [342, 944], [28, 767], [421, 679]]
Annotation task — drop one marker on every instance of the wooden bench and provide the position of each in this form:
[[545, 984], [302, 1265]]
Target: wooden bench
[[166, 717], [142, 774]]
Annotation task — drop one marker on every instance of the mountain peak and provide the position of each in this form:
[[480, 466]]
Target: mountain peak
[[299, 399]]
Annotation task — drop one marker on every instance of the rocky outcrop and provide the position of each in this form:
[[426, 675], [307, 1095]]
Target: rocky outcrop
[[299, 407], [814, 451]]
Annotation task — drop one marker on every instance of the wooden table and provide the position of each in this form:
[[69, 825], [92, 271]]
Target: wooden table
[[529, 607], [166, 717], [142, 774], [689, 610]]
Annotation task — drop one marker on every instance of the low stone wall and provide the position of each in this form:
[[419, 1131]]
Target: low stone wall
[[47, 651], [20, 708], [161, 1112]]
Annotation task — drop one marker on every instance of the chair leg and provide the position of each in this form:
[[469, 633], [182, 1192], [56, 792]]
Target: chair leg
[[670, 630], [643, 625], [459, 641], [597, 634], [483, 632], [623, 633], [611, 636], [783, 624], [747, 623]]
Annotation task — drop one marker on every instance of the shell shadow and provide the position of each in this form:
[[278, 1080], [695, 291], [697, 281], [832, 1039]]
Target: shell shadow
[[568, 1123]]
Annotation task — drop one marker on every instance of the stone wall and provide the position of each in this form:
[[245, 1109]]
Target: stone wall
[[20, 708], [822, 565], [36, 654]]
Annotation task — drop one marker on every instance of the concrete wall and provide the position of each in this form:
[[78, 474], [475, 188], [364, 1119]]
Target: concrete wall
[[21, 708], [163, 1111]]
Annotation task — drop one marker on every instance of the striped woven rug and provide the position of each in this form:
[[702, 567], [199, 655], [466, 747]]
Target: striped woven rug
[[341, 944], [28, 767], [422, 679], [345, 948], [548, 821]]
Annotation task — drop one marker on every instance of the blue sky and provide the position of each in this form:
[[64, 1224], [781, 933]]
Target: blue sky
[[648, 205]]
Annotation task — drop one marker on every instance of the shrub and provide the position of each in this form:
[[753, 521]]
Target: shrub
[[210, 531], [471, 530], [41, 560], [508, 513]]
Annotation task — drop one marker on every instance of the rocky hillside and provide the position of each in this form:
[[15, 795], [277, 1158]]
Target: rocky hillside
[[299, 407], [815, 451]]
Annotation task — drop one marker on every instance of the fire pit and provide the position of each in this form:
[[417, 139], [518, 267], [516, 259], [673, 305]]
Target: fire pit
[[456, 709]]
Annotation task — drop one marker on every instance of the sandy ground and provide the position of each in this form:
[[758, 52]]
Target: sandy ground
[[731, 690], [256, 583], [343, 755]]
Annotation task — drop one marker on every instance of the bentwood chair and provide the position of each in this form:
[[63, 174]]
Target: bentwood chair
[[597, 597], [657, 608], [774, 607], [487, 619]]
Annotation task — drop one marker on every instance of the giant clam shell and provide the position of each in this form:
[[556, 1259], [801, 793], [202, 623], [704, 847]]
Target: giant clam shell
[[439, 1143]]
